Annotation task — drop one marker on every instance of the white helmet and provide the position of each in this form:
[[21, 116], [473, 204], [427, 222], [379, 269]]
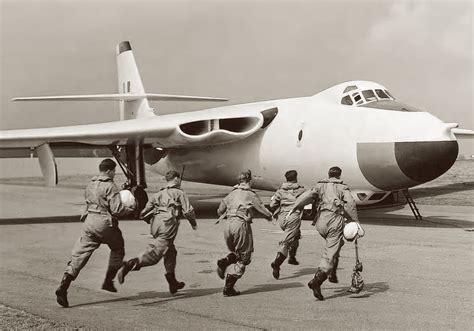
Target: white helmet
[[127, 199], [353, 230]]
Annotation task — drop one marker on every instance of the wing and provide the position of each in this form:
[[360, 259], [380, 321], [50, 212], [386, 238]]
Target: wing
[[198, 128]]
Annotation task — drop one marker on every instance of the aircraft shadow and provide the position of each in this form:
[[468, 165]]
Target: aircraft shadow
[[369, 290], [442, 189]]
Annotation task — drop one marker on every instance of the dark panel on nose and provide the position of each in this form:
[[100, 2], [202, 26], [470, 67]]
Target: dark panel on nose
[[423, 161], [378, 165]]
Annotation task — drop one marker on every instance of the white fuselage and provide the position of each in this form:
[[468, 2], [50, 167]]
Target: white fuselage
[[311, 135]]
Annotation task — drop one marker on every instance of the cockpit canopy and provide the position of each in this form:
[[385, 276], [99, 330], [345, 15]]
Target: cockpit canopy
[[354, 96], [373, 98]]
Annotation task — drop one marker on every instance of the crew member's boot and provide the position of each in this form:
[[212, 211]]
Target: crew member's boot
[[292, 256], [108, 283], [61, 292], [333, 275], [222, 264], [132, 264], [174, 285], [315, 283], [276, 265], [229, 290]]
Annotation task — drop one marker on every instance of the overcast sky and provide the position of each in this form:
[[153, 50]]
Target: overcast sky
[[245, 50]]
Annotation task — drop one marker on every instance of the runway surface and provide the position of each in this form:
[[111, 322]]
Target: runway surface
[[418, 274]]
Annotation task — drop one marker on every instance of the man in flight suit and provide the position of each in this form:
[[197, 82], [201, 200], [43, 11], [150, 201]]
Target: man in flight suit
[[281, 203], [100, 227], [335, 204], [238, 209], [168, 205]]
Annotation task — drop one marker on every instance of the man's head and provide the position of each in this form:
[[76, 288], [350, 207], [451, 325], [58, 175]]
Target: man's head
[[335, 172], [107, 166], [291, 176], [172, 177], [245, 177]]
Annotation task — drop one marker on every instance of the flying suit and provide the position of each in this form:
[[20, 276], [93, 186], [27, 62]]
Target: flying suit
[[335, 204], [103, 206], [282, 202], [238, 208], [168, 205]]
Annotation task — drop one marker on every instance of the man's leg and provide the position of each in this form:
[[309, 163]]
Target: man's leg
[[235, 273], [81, 252], [332, 277], [169, 260], [114, 240], [329, 226], [151, 256]]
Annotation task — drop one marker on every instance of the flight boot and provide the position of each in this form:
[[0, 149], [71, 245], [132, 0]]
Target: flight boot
[[61, 291], [132, 264], [276, 265], [174, 285], [229, 290], [332, 277], [292, 256], [223, 263], [315, 283], [108, 283]]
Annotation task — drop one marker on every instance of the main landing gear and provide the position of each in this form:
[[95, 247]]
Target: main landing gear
[[134, 169]]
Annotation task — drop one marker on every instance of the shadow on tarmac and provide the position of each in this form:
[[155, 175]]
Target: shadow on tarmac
[[369, 290], [164, 297]]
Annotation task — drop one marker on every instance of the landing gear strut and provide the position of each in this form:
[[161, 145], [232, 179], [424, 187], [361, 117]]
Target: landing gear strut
[[134, 170]]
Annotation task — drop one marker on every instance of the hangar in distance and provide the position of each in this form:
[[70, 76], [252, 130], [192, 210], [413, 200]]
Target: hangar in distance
[[382, 144]]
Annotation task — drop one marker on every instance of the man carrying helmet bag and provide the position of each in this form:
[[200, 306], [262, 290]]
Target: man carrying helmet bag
[[335, 204]]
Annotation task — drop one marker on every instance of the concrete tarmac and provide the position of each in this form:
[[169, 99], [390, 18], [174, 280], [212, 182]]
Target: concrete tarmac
[[418, 274]]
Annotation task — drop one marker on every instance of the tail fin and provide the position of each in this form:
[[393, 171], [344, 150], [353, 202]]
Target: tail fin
[[130, 82]]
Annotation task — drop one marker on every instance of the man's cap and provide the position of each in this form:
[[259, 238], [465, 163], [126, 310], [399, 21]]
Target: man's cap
[[334, 172], [291, 175], [107, 164], [172, 174]]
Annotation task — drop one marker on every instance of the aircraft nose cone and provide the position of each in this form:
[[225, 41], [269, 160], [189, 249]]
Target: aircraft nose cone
[[423, 161], [393, 166]]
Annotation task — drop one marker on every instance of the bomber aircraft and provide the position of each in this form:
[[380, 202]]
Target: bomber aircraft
[[383, 145]]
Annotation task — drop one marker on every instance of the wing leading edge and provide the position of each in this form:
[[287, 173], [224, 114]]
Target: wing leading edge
[[208, 127]]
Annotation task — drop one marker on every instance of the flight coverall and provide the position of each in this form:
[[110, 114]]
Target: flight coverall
[[167, 205], [335, 204], [282, 202], [238, 209], [103, 206]]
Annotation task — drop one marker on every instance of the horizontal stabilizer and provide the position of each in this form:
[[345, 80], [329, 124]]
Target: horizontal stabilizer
[[120, 97]]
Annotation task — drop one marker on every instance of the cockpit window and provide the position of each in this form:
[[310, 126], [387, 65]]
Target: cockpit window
[[369, 95], [388, 93], [356, 97], [346, 100], [381, 94]]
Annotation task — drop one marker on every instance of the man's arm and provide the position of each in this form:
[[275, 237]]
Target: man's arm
[[275, 202], [258, 205], [188, 210], [306, 198], [350, 208], [115, 205]]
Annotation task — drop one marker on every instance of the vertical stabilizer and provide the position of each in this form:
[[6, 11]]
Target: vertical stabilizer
[[130, 82]]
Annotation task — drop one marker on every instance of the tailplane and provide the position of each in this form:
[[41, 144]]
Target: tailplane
[[133, 100]]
